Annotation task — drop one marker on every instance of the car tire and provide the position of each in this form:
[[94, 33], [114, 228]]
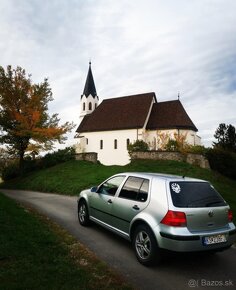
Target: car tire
[[145, 246], [83, 214]]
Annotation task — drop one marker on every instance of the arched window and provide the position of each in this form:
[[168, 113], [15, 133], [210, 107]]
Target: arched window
[[83, 106], [87, 141], [90, 106], [115, 144], [96, 105], [101, 144], [127, 142]]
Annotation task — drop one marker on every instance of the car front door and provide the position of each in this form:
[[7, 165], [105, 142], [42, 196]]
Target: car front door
[[101, 201], [132, 199]]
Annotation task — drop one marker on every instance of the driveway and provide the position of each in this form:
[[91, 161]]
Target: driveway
[[178, 272]]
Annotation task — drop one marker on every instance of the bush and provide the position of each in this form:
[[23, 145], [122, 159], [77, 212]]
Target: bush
[[10, 171], [138, 145], [172, 145], [222, 161], [197, 149], [51, 159], [54, 158]]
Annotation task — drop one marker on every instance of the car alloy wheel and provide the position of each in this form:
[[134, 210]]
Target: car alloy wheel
[[145, 246], [83, 214]]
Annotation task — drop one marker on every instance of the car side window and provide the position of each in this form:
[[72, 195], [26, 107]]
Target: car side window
[[110, 186], [135, 188]]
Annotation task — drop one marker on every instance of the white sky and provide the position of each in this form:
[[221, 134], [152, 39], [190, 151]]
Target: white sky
[[136, 46]]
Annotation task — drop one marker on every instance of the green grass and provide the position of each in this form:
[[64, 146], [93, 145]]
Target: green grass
[[37, 254], [73, 176]]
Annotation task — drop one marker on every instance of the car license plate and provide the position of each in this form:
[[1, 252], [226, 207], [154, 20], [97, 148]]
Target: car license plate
[[214, 239]]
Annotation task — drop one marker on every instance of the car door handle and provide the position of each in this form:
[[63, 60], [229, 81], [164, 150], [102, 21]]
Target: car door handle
[[136, 207], [109, 201]]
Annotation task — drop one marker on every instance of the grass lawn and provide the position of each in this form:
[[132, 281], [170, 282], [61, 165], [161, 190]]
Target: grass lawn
[[37, 254]]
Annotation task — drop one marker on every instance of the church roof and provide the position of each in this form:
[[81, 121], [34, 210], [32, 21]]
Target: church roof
[[118, 113], [89, 88], [169, 115], [131, 112]]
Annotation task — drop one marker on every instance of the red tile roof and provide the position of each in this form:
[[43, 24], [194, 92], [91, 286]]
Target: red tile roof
[[131, 112], [119, 113], [169, 115]]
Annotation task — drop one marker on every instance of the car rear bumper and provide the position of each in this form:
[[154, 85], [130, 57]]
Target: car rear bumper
[[194, 243]]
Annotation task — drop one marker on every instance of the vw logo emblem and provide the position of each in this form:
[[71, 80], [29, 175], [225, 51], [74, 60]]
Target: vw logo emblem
[[211, 213]]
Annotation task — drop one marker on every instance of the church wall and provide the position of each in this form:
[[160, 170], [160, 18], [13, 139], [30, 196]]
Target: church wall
[[157, 139], [108, 155]]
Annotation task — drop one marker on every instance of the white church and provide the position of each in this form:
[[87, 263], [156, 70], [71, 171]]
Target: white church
[[108, 128]]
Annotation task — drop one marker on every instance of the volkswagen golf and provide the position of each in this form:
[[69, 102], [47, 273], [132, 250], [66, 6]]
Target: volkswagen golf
[[160, 212]]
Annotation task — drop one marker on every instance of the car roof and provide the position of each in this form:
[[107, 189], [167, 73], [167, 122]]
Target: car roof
[[167, 177]]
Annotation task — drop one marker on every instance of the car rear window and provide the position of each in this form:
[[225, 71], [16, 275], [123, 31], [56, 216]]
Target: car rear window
[[195, 194]]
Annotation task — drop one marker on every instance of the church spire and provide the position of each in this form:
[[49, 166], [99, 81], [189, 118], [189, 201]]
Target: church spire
[[89, 88], [89, 99]]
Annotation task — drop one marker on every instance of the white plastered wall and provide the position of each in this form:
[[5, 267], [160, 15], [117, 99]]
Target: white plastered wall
[[157, 138], [90, 142], [84, 105], [108, 155]]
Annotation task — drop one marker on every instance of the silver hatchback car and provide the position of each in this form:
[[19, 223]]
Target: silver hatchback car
[[160, 212]]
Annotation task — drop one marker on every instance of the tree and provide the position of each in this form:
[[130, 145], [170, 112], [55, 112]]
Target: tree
[[138, 145], [226, 137], [24, 117]]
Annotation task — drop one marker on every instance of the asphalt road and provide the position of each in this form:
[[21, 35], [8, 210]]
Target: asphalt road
[[177, 272]]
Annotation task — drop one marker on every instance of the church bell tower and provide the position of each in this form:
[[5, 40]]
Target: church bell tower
[[89, 99]]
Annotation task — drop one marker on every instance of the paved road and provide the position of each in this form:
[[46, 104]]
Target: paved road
[[176, 273]]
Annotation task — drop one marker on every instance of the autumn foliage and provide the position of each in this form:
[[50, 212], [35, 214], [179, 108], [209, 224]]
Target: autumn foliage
[[24, 118]]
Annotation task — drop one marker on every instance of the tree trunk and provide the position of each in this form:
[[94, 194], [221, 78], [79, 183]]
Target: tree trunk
[[21, 162], [23, 145]]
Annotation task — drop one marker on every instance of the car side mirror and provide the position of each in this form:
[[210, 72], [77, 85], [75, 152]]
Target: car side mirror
[[94, 189]]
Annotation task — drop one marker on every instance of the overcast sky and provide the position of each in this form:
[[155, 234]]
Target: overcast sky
[[136, 46]]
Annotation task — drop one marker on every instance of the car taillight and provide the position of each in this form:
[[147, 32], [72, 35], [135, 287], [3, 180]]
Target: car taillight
[[230, 215], [175, 219]]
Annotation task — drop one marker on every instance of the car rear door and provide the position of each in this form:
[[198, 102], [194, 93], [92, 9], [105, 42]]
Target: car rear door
[[132, 199]]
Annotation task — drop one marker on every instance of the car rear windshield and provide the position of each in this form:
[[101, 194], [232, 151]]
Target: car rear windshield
[[195, 194]]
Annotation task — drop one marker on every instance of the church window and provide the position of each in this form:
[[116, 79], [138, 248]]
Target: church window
[[115, 144], [90, 106], [96, 106], [83, 106], [101, 144], [87, 141], [127, 142]]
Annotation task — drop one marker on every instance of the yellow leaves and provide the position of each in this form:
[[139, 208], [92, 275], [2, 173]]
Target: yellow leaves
[[48, 133], [181, 138], [24, 110], [164, 137], [26, 119]]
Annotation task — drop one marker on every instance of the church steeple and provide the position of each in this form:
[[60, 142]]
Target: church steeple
[[89, 88], [89, 99]]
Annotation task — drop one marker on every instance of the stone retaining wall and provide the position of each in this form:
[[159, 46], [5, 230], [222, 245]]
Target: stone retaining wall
[[195, 159], [90, 156]]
